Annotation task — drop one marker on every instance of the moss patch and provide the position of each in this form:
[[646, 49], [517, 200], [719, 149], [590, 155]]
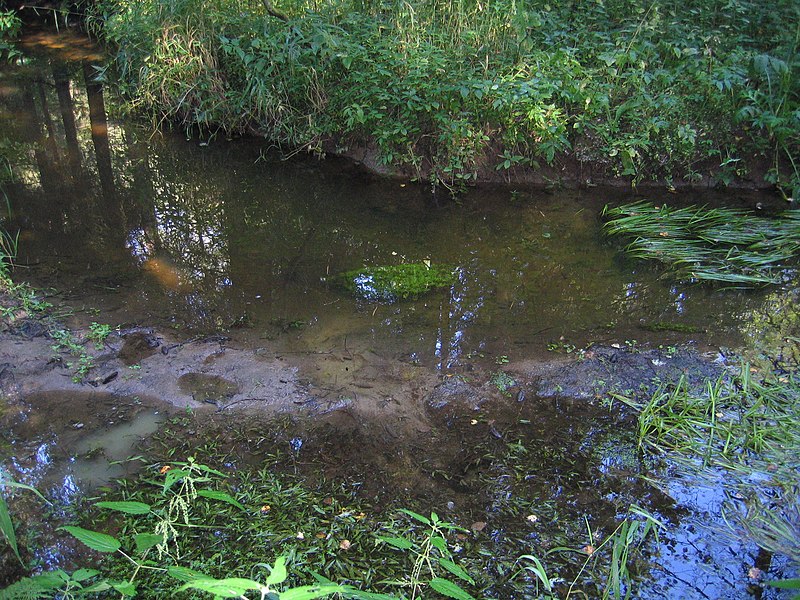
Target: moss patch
[[397, 282]]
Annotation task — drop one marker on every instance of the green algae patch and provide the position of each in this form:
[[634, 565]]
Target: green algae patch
[[395, 282]]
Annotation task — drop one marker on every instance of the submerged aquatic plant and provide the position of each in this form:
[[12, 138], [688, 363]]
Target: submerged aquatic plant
[[704, 244], [396, 282], [745, 429]]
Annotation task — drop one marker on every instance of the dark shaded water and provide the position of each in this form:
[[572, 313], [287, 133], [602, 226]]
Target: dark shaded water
[[153, 229], [161, 230]]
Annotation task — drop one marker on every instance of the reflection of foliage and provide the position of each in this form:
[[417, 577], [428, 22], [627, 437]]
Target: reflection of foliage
[[398, 282], [773, 331], [10, 24]]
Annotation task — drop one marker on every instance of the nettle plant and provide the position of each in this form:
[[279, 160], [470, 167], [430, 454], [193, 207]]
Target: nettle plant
[[160, 551]]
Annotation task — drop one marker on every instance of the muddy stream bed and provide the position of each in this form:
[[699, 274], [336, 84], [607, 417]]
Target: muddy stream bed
[[213, 263]]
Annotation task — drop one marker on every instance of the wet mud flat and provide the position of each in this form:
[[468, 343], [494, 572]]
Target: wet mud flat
[[521, 453]]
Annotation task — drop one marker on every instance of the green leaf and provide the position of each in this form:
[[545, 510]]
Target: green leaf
[[95, 540], [785, 584], [456, 570], [7, 527], [131, 508], [397, 542], [22, 486], [231, 587], [207, 469], [185, 574], [308, 592], [449, 589], [84, 574], [416, 516], [214, 495], [126, 588], [173, 476], [100, 586], [439, 543], [278, 573], [145, 541]]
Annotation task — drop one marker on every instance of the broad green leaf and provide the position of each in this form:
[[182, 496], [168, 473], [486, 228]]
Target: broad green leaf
[[308, 592], [95, 588], [125, 588], [416, 516], [131, 508], [185, 574], [95, 540], [397, 542], [214, 495], [145, 541], [173, 476], [456, 570], [7, 527], [231, 587], [278, 574], [449, 589], [439, 543], [84, 574]]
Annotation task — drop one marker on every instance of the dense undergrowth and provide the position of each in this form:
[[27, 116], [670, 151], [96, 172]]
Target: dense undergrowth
[[456, 91]]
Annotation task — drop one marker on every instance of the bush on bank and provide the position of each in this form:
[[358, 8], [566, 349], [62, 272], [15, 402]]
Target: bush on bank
[[669, 91]]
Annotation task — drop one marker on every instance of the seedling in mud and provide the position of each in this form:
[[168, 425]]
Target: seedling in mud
[[98, 333], [65, 341], [503, 382]]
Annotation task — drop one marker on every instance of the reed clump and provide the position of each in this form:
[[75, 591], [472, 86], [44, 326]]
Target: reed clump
[[698, 243]]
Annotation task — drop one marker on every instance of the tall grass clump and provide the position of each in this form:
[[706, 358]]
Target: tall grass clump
[[458, 90], [742, 433], [709, 244]]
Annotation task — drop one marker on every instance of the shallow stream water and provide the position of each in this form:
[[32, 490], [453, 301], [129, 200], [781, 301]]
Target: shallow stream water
[[130, 227]]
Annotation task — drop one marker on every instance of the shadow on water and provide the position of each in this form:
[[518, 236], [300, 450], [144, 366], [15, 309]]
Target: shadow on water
[[156, 230]]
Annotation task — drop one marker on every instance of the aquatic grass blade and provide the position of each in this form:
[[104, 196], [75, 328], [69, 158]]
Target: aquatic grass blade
[[7, 528]]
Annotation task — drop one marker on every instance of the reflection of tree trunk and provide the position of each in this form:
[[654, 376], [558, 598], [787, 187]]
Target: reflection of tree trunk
[[140, 210], [33, 133], [47, 120], [68, 118], [97, 119]]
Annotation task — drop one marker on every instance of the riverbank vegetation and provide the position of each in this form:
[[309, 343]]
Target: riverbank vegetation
[[674, 92]]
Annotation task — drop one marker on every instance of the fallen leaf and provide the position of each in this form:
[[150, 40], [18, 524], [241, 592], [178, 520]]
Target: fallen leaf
[[328, 501], [164, 469], [344, 545], [588, 549], [754, 573], [478, 526], [320, 535], [265, 509]]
